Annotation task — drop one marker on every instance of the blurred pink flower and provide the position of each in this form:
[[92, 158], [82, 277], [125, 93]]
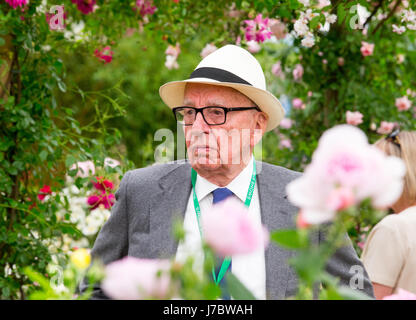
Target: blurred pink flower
[[257, 29], [401, 295], [386, 127], [253, 46], [108, 162], [341, 61], [44, 191], [85, 168], [366, 48], [172, 53], [145, 7], [286, 123], [102, 184], [277, 69], [403, 103], [16, 3], [107, 200], [105, 54], [56, 23], [229, 229], [298, 72], [173, 50], [208, 49], [340, 199], [278, 29], [85, 6], [354, 118], [297, 103], [398, 30], [344, 160], [285, 143], [133, 279]]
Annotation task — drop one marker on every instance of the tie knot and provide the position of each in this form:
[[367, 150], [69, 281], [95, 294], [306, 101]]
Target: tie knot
[[221, 194]]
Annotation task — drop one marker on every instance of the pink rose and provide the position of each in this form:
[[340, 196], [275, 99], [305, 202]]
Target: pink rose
[[354, 118], [105, 55], [103, 184], [341, 61], [298, 72], [386, 127], [403, 103], [16, 3], [277, 69], [208, 49], [132, 279], [278, 28], [173, 50], [401, 295], [85, 168], [257, 29], [85, 7], [286, 123], [44, 191], [285, 143], [297, 103], [344, 171], [340, 199], [366, 48], [253, 46], [229, 229]]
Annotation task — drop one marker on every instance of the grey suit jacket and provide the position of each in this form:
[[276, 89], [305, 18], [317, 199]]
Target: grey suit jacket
[[140, 224]]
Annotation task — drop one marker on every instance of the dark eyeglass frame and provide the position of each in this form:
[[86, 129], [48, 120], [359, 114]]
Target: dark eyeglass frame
[[392, 137], [197, 110]]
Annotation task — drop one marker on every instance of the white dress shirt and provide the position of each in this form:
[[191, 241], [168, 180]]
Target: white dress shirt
[[250, 269]]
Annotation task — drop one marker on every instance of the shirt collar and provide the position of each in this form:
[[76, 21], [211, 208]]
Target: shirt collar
[[239, 185]]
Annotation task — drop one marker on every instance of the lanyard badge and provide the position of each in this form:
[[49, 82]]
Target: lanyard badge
[[227, 260]]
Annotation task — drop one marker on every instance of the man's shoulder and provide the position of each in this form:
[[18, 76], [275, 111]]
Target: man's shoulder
[[156, 171], [273, 170]]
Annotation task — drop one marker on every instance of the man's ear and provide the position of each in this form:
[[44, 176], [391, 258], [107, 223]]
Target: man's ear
[[261, 119]]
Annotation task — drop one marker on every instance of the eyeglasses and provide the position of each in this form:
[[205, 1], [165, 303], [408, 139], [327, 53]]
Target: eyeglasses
[[212, 115], [393, 137]]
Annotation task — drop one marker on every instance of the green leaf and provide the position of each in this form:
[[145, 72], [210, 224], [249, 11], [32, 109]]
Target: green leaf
[[292, 239], [237, 290], [341, 12], [314, 22], [43, 154]]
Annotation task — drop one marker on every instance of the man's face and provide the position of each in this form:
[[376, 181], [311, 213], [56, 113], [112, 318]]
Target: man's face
[[211, 147]]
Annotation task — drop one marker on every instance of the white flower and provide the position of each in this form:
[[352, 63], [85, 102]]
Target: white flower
[[309, 14], [308, 41], [331, 18], [409, 16], [306, 3], [108, 162], [171, 62], [398, 30], [301, 27], [411, 26], [323, 3]]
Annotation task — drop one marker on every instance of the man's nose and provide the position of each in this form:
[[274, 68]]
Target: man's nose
[[200, 123]]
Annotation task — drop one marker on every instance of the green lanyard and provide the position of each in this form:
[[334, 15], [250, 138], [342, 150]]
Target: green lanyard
[[227, 260]]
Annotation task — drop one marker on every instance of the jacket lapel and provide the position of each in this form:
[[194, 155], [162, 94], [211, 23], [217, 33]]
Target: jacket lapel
[[273, 204], [171, 202], [167, 205]]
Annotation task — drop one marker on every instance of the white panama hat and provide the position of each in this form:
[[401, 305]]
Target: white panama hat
[[229, 66]]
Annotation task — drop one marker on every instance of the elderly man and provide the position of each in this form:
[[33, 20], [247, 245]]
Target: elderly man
[[225, 109]]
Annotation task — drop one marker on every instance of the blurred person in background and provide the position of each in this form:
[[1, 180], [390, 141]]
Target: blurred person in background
[[389, 255]]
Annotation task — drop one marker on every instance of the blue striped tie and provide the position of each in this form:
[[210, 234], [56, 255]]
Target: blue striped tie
[[221, 194]]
